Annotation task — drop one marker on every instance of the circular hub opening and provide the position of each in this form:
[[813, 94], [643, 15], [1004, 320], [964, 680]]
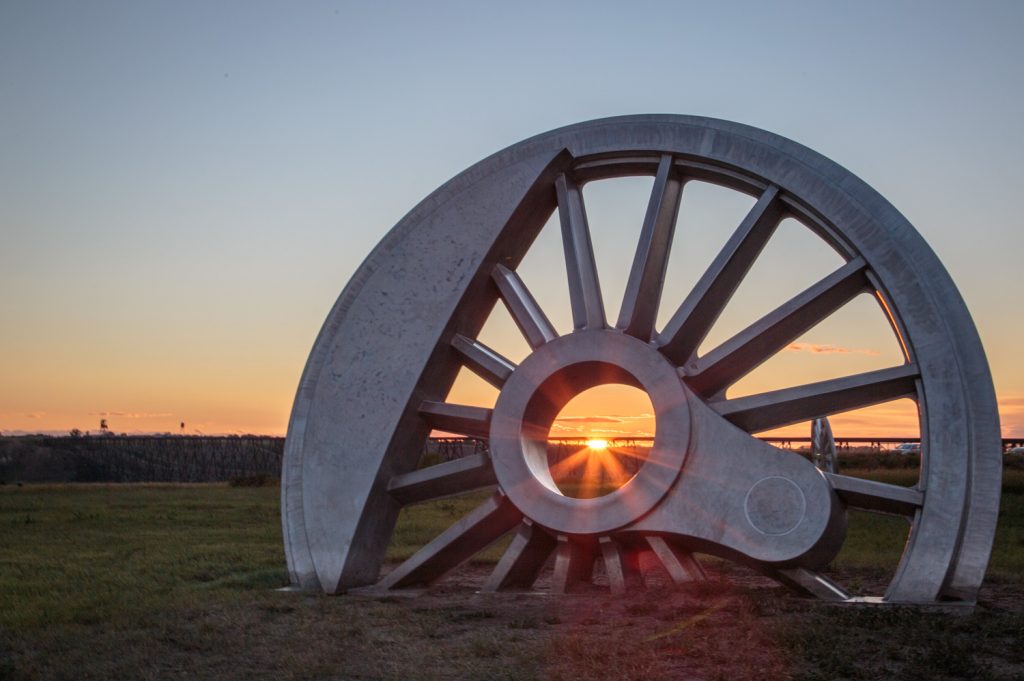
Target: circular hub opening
[[600, 439], [538, 392]]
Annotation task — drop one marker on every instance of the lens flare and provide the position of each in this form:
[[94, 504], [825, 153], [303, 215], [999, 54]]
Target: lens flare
[[597, 444]]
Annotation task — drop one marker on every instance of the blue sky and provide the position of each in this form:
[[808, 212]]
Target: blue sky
[[185, 187]]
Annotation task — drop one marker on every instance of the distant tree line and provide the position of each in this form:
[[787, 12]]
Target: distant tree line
[[77, 458]]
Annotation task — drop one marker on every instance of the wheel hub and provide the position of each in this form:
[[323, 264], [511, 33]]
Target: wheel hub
[[536, 392]]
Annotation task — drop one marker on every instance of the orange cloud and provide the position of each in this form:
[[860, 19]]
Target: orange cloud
[[558, 429], [617, 418], [590, 419], [828, 349]]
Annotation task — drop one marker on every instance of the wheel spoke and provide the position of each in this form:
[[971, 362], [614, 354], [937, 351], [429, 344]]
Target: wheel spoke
[[457, 418], [460, 542], [742, 353], [690, 324], [621, 565], [584, 288], [525, 311], [443, 480], [647, 277], [810, 583], [876, 496], [574, 563], [681, 566], [522, 560], [484, 362], [805, 402]]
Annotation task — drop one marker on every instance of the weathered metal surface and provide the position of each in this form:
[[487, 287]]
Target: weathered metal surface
[[823, 445], [389, 351]]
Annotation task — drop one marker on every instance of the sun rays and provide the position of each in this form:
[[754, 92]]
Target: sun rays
[[595, 469]]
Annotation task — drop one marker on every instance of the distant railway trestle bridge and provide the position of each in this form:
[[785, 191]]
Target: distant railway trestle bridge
[[182, 459], [448, 448]]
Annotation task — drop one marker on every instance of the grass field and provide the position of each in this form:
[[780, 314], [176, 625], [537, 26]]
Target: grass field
[[103, 582]]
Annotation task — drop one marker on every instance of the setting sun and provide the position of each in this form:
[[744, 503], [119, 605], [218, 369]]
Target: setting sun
[[597, 444]]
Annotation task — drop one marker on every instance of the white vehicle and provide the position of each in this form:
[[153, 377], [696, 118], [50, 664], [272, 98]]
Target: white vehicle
[[908, 448]]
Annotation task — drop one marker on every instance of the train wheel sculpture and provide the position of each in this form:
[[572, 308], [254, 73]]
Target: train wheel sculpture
[[376, 380]]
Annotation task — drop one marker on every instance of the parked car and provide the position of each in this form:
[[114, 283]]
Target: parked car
[[1015, 450], [908, 448]]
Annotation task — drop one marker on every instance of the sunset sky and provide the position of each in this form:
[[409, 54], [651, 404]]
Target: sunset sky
[[186, 187]]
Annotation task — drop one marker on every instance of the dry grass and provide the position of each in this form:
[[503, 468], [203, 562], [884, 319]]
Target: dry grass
[[160, 581]]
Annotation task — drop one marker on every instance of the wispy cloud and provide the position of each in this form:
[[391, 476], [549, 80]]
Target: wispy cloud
[[604, 425], [589, 419], [828, 349], [623, 433], [605, 418], [562, 429]]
